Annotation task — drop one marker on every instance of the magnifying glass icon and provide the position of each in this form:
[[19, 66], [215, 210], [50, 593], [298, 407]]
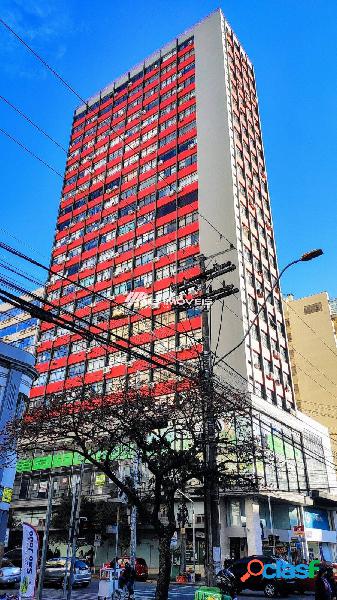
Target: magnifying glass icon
[[253, 573]]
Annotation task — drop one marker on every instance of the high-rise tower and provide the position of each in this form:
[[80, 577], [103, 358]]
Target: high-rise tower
[[166, 163]]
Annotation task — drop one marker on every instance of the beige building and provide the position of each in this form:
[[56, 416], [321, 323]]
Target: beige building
[[17, 327], [311, 326]]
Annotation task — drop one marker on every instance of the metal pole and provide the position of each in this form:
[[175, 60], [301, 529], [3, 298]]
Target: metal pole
[[193, 524], [78, 491], [304, 539], [117, 533], [45, 538], [71, 528], [193, 535], [133, 515], [211, 489], [271, 522]]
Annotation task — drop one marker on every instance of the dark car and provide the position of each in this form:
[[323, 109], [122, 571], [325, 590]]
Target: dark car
[[56, 569], [271, 587], [14, 556]]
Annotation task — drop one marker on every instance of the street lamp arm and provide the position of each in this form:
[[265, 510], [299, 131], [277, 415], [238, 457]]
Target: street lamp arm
[[304, 258]]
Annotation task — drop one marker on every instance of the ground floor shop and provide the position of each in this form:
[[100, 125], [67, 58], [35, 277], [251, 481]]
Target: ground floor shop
[[269, 525]]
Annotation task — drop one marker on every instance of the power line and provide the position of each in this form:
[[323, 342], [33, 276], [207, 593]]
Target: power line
[[30, 151], [22, 114], [41, 60], [63, 322], [119, 338], [77, 284]]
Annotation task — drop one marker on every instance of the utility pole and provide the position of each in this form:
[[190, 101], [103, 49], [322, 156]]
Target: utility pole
[[182, 520], [77, 508], [133, 514], [70, 534], [211, 487], [45, 538]]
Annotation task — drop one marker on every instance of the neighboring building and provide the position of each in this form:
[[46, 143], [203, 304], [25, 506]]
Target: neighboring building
[[166, 163], [17, 327], [313, 353], [17, 374]]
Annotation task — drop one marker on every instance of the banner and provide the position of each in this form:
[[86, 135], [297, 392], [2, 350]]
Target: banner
[[30, 551]]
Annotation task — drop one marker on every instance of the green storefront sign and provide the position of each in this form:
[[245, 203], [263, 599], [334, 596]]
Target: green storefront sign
[[63, 459]]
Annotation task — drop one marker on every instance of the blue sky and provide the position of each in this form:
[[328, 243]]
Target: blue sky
[[293, 47]]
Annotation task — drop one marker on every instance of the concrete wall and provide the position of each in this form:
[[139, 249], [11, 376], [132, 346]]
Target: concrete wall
[[215, 180]]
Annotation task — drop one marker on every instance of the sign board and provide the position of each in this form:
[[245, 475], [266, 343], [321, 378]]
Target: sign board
[[112, 529], [298, 529], [30, 551], [100, 480], [97, 540], [6, 538]]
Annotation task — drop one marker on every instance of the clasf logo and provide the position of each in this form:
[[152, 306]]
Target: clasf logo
[[280, 570]]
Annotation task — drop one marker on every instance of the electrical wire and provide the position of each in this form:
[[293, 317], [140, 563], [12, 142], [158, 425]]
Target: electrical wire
[[93, 293], [45, 64], [121, 137], [30, 152], [108, 333], [22, 114]]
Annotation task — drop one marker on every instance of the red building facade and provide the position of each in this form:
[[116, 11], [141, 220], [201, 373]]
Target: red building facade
[[128, 222]]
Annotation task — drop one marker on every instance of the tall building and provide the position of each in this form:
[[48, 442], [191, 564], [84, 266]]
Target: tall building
[[165, 163], [17, 327], [313, 354]]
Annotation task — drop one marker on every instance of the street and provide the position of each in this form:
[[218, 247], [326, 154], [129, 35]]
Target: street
[[145, 591]]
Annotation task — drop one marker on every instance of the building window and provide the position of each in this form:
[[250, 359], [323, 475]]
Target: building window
[[312, 308]]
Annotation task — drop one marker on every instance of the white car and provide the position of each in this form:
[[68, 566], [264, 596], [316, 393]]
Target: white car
[[56, 568], [9, 575]]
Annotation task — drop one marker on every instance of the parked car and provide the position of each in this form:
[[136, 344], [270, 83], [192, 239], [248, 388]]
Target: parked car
[[308, 584], [14, 556], [270, 587], [9, 574], [56, 568], [141, 568]]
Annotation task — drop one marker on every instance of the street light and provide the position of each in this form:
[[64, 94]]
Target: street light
[[304, 258]]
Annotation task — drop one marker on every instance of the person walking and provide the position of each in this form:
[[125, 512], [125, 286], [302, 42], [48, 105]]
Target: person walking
[[323, 590], [127, 579], [332, 582]]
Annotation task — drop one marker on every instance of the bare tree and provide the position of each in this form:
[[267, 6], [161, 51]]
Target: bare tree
[[167, 434]]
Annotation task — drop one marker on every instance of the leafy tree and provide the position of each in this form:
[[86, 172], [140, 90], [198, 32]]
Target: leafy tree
[[168, 436]]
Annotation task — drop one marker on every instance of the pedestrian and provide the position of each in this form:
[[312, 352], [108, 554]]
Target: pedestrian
[[57, 553], [332, 581], [323, 589], [127, 578], [90, 557]]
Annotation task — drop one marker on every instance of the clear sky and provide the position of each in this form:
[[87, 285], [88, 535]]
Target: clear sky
[[293, 46]]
